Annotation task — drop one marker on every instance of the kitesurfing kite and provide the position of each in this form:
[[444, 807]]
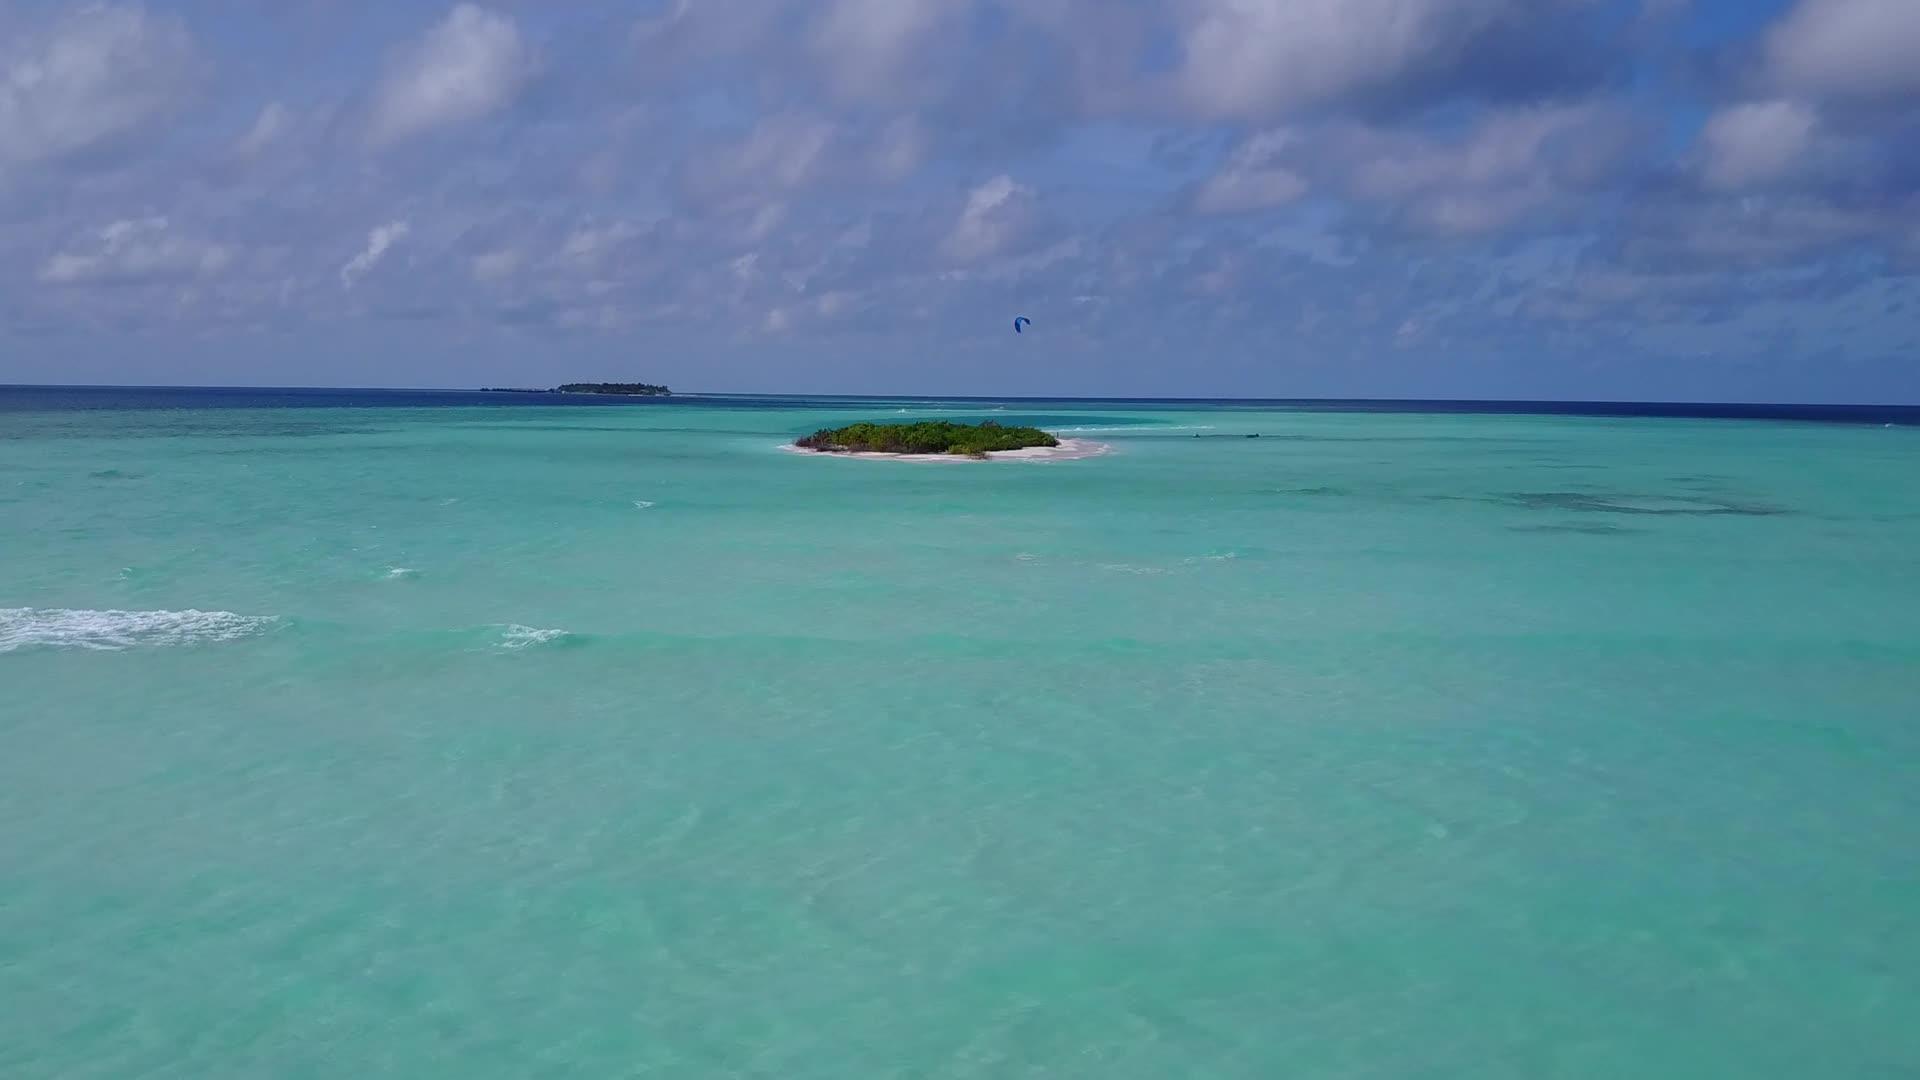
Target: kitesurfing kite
[[1020, 324]]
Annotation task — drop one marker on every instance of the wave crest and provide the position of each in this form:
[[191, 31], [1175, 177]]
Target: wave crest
[[516, 636], [1117, 429], [112, 631]]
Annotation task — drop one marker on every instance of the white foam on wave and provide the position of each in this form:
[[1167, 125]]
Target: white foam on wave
[[1132, 427], [1129, 568], [394, 572], [516, 636], [1224, 556], [111, 631], [642, 504]]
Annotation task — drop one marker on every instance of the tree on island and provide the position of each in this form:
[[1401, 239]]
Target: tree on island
[[624, 389], [926, 437], [632, 389]]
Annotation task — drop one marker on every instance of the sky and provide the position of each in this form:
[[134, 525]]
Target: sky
[[1615, 199]]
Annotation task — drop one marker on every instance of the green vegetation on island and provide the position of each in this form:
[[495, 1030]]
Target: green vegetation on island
[[630, 389], [926, 437], [624, 389]]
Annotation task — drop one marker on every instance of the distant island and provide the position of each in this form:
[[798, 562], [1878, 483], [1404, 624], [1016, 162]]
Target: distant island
[[926, 437], [623, 389]]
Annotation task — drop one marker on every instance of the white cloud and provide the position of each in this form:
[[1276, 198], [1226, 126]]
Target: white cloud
[[699, 29], [996, 213], [496, 265], [589, 244], [870, 48], [97, 75], [791, 150], [1858, 49], [1760, 230], [1756, 142], [894, 151], [1506, 148], [1253, 57], [1507, 165], [1252, 178], [379, 240], [764, 220], [904, 53], [1466, 213], [470, 65], [782, 151], [135, 250], [268, 127]]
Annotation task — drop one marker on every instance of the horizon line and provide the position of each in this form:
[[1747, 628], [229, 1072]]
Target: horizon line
[[994, 397]]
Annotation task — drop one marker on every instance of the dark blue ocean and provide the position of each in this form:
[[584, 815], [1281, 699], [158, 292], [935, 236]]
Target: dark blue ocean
[[43, 398]]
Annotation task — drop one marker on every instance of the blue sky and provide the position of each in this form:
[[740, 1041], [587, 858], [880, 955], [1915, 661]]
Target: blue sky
[[1660, 199]]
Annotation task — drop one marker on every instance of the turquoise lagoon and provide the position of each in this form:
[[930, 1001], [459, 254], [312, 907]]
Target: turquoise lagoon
[[477, 739]]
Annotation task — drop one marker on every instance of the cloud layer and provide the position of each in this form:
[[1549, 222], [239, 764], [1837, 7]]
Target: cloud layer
[[91, 77], [1393, 197], [470, 65]]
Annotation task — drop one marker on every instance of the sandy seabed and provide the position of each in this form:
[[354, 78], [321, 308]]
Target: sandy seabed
[[1068, 450]]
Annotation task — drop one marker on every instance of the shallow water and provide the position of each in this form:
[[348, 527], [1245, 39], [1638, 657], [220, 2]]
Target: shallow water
[[499, 741]]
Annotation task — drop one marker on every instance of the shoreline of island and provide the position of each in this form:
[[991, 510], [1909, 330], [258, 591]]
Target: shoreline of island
[[945, 440], [1067, 450]]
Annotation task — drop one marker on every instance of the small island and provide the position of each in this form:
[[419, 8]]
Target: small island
[[619, 389], [625, 389], [927, 437]]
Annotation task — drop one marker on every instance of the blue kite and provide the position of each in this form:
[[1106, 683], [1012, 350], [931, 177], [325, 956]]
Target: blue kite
[[1020, 324]]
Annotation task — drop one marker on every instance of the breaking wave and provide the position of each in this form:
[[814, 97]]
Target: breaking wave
[[1130, 427], [61, 628], [516, 636]]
